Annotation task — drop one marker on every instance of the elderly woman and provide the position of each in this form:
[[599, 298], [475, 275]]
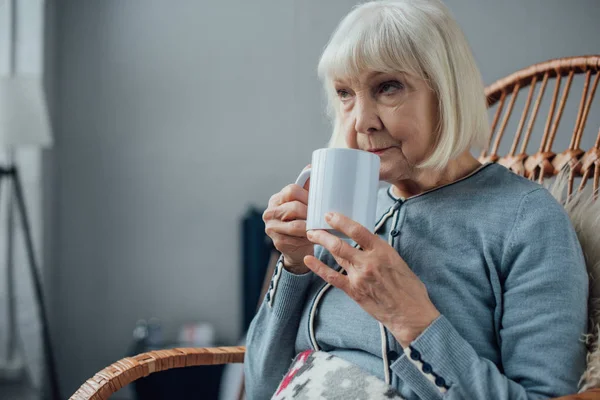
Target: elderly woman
[[474, 284]]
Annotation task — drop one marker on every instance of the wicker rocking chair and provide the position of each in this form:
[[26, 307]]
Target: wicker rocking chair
[[583, 165]]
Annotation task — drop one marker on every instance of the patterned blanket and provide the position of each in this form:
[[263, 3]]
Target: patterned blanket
[[319, 375]]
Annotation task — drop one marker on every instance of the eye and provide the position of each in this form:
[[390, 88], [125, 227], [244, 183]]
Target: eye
[[343, 94], [390, 87]]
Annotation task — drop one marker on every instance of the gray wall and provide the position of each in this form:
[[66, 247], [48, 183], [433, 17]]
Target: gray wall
[[176, 116]]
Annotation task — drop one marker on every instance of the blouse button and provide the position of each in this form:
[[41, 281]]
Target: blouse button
[[415, 355], [427, 368], [392, 356], [440, 381]]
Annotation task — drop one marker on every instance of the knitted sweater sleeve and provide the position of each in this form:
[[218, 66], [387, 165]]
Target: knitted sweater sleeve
[[270, 342]]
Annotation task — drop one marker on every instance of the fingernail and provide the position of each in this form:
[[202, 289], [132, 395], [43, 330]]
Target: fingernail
[[309, 234], [329, 216]]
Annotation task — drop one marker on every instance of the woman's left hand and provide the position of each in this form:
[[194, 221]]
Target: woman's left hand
[[377, 278]]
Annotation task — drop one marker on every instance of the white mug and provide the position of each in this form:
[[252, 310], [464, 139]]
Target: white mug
[[343, 181]]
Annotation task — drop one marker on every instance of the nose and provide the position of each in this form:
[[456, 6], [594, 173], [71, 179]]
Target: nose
[[367, 119]]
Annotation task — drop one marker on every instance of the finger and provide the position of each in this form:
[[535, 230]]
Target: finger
[[289, 193], [352, 229], [296, 228], [307, 187], [343, 262], [336, 246], [289, 244], [274, 200], [294, 192], [290, 211], [286, 212], [326, 273]]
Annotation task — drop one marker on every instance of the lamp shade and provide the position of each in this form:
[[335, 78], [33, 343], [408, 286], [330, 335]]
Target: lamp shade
[[23, 113]]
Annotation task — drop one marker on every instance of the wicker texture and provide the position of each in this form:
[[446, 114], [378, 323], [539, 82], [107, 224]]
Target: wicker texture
[[593, 394], [544, 163], [127, 370]]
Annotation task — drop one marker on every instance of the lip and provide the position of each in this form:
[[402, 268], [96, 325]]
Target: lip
[[379, 151]]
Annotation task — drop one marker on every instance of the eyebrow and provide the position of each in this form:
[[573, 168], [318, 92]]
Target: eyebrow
[[371, 75]]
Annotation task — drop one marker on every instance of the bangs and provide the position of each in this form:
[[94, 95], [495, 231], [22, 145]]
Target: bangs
[[369, 39]]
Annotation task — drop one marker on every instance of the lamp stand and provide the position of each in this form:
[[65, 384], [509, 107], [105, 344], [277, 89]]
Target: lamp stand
[[11, 174]]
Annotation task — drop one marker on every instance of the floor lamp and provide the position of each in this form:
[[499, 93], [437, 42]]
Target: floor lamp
[[24, 123]]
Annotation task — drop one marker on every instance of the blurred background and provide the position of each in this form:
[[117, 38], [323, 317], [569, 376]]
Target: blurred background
[[173, 123]]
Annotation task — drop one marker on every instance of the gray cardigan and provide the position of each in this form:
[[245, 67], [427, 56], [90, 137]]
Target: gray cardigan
[[502, 264]]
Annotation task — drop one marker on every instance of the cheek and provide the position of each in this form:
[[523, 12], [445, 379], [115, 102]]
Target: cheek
[[414, 129], [402, 124]]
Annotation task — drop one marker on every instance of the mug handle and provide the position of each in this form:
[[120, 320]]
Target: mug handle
[[303, 177]]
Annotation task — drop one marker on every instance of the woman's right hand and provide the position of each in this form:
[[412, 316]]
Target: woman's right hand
[[285, 224]]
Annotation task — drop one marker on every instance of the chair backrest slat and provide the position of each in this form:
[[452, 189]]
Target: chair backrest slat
[[561, 107], [507, 114], [495, 121], [586, 110], [550, 113], [523, 117], [536, 108], [574, 143]]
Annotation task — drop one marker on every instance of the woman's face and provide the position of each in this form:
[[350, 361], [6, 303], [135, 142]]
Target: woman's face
[[393, 115]]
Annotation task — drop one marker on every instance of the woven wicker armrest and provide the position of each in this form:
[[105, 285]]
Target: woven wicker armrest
[[125, 371], [592, 394]]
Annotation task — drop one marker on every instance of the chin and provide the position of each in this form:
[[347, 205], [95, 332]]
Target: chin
[[385, 174], [392, 173]]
